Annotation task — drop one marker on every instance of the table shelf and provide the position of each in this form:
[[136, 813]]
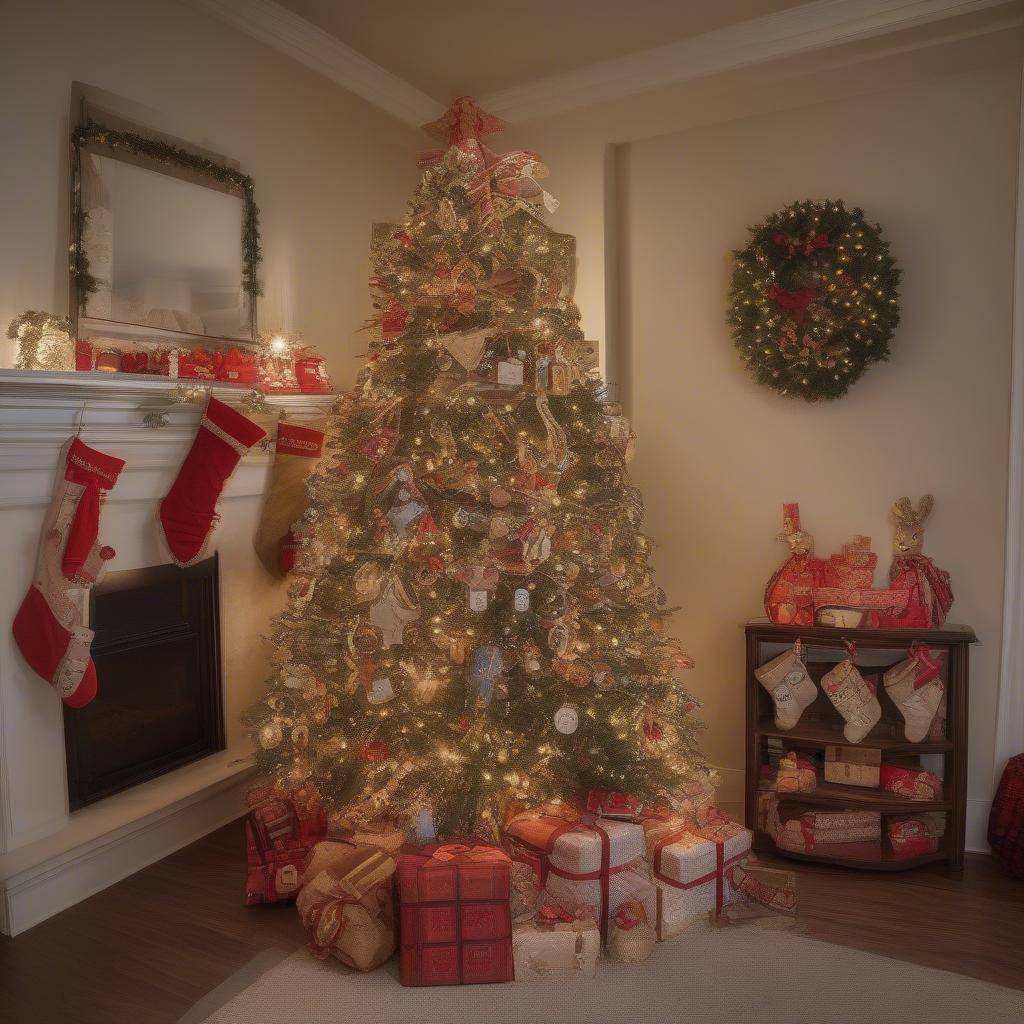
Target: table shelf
[[822, 727]]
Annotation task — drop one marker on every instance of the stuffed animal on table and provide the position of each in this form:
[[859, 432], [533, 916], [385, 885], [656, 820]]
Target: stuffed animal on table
[[929, 587]]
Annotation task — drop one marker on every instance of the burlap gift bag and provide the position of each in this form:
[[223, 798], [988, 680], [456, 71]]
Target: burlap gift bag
[[348, 908]]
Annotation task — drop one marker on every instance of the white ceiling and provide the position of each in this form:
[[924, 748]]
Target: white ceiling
[[449, 47], [531, 59]]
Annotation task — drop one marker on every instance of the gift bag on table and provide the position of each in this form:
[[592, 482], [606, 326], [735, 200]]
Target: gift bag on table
[[454, 916]]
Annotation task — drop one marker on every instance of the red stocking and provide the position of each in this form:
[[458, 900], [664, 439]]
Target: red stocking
[[48, 627], [188, 512]]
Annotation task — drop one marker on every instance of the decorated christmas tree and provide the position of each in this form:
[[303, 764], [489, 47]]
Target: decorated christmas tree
[[472, 616]]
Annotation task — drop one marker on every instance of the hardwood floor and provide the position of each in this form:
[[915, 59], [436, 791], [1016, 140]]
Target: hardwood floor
[[145, 950]]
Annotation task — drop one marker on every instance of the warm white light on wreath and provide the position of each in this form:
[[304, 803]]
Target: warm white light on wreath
[[814, 299]]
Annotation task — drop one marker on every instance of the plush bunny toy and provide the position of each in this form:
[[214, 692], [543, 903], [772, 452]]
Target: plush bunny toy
[[931, 594]]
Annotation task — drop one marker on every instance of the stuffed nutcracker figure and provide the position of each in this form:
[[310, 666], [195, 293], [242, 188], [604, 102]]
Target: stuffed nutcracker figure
[[48, 627], [296, 451], [788, 597], [188, 512]]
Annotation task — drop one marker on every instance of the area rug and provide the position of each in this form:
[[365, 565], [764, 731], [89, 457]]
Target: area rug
[[714, 976]]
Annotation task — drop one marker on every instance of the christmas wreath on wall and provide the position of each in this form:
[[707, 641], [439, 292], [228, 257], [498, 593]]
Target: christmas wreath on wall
[[814, 299]]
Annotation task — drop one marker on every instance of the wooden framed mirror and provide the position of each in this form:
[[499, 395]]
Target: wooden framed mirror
[[165, 246]]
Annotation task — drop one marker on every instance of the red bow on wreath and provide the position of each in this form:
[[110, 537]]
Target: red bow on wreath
[[794, 302], [809, 244]]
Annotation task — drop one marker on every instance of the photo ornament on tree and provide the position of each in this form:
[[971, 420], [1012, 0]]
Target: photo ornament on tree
[[814, 299]]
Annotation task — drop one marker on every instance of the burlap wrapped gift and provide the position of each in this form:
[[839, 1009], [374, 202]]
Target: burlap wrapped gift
[[347, 907]]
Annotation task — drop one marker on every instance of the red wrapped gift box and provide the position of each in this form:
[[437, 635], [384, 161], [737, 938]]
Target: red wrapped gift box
[[83, 355], [197, 364], [277, 840], [612, 804], [455, 916], [236, 366], [311, 375]]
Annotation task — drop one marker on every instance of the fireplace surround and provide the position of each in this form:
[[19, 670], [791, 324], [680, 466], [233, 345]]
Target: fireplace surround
[[157, 657]]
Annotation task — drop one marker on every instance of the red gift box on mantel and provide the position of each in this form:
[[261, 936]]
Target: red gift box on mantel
[[311, 375], [277, 840], [455, 916], [83, 355], [134, 361], [236, 367], [196, 365]]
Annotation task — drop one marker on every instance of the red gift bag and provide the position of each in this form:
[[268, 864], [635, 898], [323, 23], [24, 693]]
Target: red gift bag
[[455, 916], [277, 841]]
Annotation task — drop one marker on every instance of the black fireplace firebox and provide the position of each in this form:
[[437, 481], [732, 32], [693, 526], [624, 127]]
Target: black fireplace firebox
[[157, 656]]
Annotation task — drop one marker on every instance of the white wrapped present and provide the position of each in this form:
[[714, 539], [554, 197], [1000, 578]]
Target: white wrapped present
[[597, 864], [691, 868], [556, 945]]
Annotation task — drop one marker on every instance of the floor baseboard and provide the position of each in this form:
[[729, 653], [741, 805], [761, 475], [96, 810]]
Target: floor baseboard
[[39, 892]]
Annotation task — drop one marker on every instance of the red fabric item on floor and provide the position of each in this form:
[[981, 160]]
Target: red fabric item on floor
[[1006, 820], [188, 512]]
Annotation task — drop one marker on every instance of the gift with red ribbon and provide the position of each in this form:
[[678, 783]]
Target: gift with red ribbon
[[347, 906], [916, 835], [582, 861], [277, 840], [455, 915], [913, 783], [691, 865]]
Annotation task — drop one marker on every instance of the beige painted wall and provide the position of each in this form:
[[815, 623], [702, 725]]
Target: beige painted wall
[[935, 162], [326, 163]]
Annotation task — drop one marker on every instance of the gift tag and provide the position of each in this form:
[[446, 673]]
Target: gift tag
[[540, 373], [567, 719], [380, 691], [478, 600], [510, 371], [521, 599]]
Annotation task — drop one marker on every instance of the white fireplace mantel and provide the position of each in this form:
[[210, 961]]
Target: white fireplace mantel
[[49, 857]]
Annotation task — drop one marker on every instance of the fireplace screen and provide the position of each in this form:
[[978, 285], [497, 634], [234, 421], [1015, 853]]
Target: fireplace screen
[[157, 655]]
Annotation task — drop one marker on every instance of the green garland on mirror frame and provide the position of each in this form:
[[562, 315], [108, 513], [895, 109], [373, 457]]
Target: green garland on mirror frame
[[814, 299], [172, 156]]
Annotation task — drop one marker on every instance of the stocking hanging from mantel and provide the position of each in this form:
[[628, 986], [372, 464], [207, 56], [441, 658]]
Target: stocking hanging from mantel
[[296, 451], [48, 628], [189, 511]]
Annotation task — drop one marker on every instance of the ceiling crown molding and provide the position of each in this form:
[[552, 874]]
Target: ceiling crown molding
[[810, 26], [300, 39]]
